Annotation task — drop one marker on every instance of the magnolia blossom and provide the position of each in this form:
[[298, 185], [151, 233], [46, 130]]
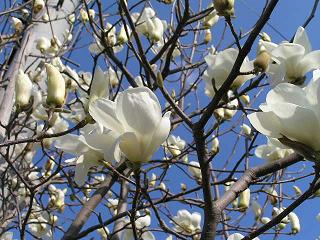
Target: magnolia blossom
[[219, 68], [149, 25], [273, 150], [211, 19], [91, 147], [175, 145], [186, 222], [135, 119], [142, 223], [238, 236], [17, 24], [294, 222], [291, 112], [56, 87], [43, 44], [291, 61], [38, 6]]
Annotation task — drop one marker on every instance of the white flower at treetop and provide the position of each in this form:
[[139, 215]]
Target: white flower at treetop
[[140, 19], [186, 222], [135, 118], [142, 222], [291, 112], [238, 236], [292, 60], [219, 68], [273, 150], [174, 145]]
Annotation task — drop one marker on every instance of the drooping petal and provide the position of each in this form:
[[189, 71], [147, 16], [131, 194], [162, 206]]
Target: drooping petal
[[262, 151], [266, 123], [83, 164], [277, 72], [270, 46], [301, 38], [138, 109], [131, 147], [309, 62], [99, 85], [104, 112]]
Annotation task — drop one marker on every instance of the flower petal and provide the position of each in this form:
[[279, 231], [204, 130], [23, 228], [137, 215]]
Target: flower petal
[[309, 62], [288, 50], [84, 163], [131, 147], [301, 38], [138, 109], [104, 112], [71, 144], [266, 123]]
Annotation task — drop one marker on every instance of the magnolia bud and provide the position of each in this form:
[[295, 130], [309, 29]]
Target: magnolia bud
[[38, 6], [207, 36], [92, 13], [256, 209], [194, 169], [246, 130], [265, 220], [23, 89], [84, 15], [45, 17], [227, 186], [56, 87], [210, 19], [244, 201], [261, 63], [245, 98], [17, 24], [159, 79], [103, 232], [162, 186], [215, 145], [297, 190], [265, 37], [219, 114], [152, 183], [272, 196], [156, 28], [123, 37], [183, 187], [72, 18], [185, 158], [224, 7], [43, 44], [294, 222]]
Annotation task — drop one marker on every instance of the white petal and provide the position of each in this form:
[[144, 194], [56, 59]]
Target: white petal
[[270, 46], [139, 110], [103, 111], [100, 85], [70, 143], [301, 38], [262, 151], [235, 236], [298, 123], [159, 136], [287, 93], [266, 123], [148, 236], [309, 62], [288, 50], [84, 163], [131, 147]]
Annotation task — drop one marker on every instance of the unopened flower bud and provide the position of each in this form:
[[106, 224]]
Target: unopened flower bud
[[211, 19], [84, 15], [17, 24], [92, 13], [272, 196], [194, 169], [153, 180], [265, 37], [123, 37], [183, 187], [297, 190], [265, 220], [207, 36], [56, 87], [294, 222], [219, 114], [43, 44], [261, 63], [38, 6], [246, 130], [224, 7], [45, 17], [245, 98], [23, 89], [215, 145], [256, 209], [244, 201], [162, 186], [72, 18]]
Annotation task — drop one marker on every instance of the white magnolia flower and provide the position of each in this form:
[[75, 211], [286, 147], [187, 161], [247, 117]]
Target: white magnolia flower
[[84, 17], [174, 145], [292, 60], [124, 34], [211, 19], [224, 7], [291, 112], [142, 223], [136, 120], [38, 6], [17, 24], [103, 232], [186, 222], [99, 86], [256, 209], [149, 25], [238, 236], [219, 68], [194, 169], [244, 201], [23, 89], [91, 147], [273, 150]]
